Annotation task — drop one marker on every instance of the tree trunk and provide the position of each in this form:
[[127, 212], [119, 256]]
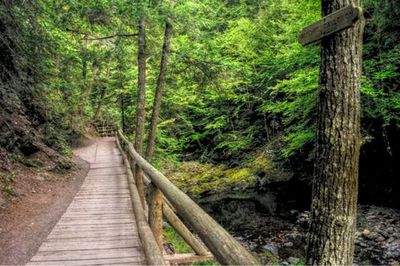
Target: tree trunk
[[89, 87], [335, 183], [140, 104], [155, 195], [99, 104], [84, 73], [122, 106], [159, 90]]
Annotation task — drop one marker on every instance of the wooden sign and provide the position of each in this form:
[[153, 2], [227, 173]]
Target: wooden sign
[[334, 22]]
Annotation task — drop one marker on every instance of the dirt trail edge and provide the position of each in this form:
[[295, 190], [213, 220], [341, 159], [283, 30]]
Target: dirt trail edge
[[26, 224]]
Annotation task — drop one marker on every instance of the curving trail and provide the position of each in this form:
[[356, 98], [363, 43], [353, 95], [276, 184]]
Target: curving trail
[[99, 225]]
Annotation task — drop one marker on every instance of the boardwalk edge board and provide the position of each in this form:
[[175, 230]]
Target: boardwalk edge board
[[330, 24]]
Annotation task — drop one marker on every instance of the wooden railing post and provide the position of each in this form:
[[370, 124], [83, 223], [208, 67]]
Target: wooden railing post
[[155, 202]]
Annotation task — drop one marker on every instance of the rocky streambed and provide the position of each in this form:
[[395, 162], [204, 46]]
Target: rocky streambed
[[281, 237]]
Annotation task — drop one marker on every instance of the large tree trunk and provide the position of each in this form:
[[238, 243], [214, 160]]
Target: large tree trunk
[[140, 104], [335, 184], [155, 195]]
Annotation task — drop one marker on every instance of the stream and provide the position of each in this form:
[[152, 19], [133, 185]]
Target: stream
[[280, 237]]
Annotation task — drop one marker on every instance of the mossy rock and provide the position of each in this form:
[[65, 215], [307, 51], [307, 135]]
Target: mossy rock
[[195, 178]]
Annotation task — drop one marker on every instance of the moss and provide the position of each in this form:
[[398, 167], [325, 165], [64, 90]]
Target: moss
[[196, 178], [7, 184], [260, 163], [266, 257]]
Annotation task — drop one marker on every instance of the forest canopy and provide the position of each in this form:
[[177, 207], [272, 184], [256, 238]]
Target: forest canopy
[[239, 82]]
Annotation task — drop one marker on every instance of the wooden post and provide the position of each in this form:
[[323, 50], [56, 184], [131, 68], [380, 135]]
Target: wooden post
[[180, 227], [155, 201]]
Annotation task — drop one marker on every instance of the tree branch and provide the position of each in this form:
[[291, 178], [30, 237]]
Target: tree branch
[[111, 36], [86, 36]]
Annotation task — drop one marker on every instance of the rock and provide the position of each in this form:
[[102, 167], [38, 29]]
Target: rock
[[380, 239], [390, 230], [358, 233], [361, 244], [293, 260], [288, 244], [366, 232], [393, 250], [271, 248], [4, 203], [372, 236], [285, 263]]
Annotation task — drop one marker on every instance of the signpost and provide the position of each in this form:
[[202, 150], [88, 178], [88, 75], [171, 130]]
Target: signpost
[[334, 22]]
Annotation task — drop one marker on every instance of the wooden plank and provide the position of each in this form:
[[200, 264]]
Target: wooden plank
[[96, 239], [94, 222], [86, 254], [89, 227], [81, 235], [332, 23], [65, 246], [108, 170], [108, 261]]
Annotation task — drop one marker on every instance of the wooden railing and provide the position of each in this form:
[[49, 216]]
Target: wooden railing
[[225, 248], [104, 128]]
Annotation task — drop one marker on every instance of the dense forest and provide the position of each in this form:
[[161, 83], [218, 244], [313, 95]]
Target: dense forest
[[239, 97]]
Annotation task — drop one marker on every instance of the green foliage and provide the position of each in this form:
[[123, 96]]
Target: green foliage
[[172, 237], [238, 79], [7, 183]]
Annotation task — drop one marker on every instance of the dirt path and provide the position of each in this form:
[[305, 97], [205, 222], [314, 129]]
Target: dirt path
[[25, 224]]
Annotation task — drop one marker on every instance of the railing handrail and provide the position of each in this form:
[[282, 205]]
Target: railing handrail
[[225, 248]]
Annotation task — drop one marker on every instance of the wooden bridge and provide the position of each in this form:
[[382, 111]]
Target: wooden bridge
[[107, 222]]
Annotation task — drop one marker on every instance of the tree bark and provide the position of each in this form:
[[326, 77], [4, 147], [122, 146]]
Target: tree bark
[[155, 202], [122, 108], [335, 183], [155, 195], [84, 74], [159, 90], [140, 105], [99, 103]]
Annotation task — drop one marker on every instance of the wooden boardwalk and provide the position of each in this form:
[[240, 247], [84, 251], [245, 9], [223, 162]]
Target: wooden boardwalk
[[99, 227]]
